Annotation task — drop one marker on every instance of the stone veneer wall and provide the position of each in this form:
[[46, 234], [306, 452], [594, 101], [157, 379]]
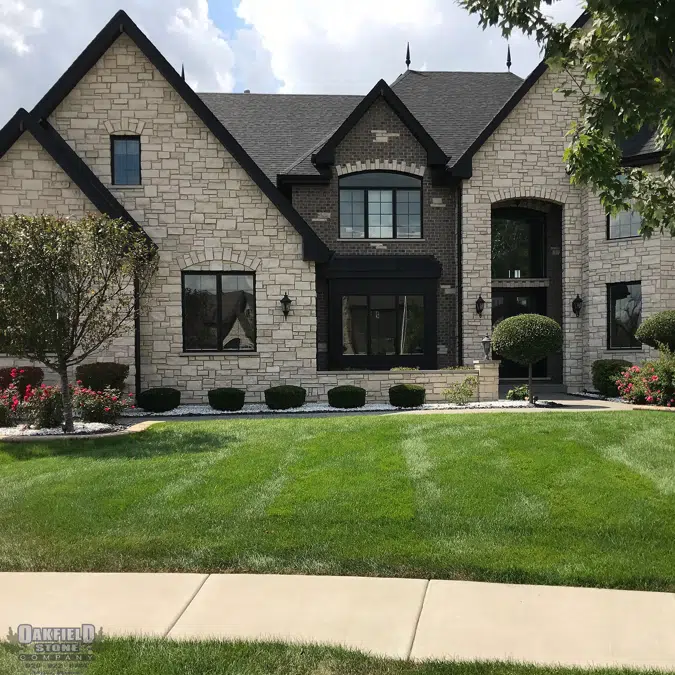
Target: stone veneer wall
[[380, 141], [204, 213]]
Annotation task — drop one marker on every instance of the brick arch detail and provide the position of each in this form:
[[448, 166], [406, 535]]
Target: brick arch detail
[[527, 192], [398, 165], [124, 126], [223, 259]]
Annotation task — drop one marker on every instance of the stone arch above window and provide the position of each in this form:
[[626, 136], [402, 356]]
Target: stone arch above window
[[124, 126], [398, 165], [527, 192], [216, 259]]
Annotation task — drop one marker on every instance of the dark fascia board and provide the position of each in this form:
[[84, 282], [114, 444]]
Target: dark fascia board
[[463, 166], [326, 155], [382, 267], [71, 163], [313, 247], [643, 160], [284, 179]]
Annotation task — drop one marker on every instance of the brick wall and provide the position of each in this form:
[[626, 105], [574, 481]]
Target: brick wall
[[381, 140]]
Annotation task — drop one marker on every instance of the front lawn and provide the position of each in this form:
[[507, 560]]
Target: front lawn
[[557, 498]]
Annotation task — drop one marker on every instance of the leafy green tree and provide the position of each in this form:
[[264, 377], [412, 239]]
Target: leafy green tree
[[67, 288], [621, 65]]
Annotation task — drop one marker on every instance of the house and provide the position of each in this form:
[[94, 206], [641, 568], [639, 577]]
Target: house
[[401, 225]]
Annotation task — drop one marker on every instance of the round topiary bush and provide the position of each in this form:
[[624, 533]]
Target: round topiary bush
[[605, 374], [160, 399], [347, 396], [407, 395], [527, 339], [101, 376], [227, 398], [284, 397], [658, 329]]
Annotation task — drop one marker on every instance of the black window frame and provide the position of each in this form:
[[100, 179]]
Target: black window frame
[[608, 231], [365, 189], [535, 220], [219, 311], [637, 344], [125, 137]]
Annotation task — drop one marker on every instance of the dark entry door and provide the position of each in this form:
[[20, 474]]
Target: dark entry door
[[511, 302]]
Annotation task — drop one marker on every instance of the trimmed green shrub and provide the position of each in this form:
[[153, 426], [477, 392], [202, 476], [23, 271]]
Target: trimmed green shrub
[[658, 329], [24, 376], [520, 393], [227, 398], [460, 393], [606, 373], [160, 399], [102, 376], [347, 396], [407, 395], [284, 397]]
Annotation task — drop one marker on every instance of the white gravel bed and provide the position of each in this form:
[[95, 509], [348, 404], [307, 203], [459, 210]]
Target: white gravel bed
[[81, 428], [595, 396], [258, 408]]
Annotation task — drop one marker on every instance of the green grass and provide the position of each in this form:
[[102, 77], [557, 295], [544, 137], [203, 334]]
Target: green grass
[[556, 498], [161, 657]]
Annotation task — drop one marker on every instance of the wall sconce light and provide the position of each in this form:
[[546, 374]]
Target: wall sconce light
[[286, 305], [480, 305], [487, 345], [577, 304]]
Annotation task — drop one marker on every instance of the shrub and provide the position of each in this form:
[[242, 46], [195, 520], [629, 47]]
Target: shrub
[[658, 330], [347, 396], [5, 415], [407, 395], [527, 339], [21, 376], [521, 393], [605, 374], [101, 376], [10, 403], [160, 399], [100, 406], [460, 393], [651, 384], [42, 407], [227, 398], [285, 397]]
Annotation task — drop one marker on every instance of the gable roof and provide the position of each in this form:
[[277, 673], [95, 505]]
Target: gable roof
[[68, 160], [326, 155], [313, 247]]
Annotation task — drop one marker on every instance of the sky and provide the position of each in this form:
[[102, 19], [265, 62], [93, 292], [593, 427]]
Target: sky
[[289, 46]]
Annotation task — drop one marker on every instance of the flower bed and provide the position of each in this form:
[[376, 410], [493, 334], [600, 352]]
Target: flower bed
[[81, 428], [650, 384]]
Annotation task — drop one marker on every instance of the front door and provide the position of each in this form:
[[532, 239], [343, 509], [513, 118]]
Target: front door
[[511, 302]]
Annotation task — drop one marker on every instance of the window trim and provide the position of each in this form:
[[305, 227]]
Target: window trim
[[365, 189], [219, 311], [610, 238], [635, 348], [125, 137]]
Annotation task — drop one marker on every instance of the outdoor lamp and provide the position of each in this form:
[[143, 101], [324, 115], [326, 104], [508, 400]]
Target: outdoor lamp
[[286, 305], [487, 344], [577, 304], [480, 305]]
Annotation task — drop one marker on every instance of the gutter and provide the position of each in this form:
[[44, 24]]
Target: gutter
[[460, 326], [137, 337]]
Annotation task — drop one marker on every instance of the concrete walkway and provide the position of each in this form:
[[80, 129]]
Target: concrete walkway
[[400, 618]]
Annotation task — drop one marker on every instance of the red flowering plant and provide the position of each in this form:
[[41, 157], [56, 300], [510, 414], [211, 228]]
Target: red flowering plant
[[12, 398], [651, 384], [103, 406], [42, 407]]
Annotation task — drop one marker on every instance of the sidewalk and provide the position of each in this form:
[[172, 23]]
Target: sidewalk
[[401, 618]]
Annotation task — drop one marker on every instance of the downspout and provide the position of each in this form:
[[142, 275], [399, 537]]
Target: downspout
[[460, 328], [137, 336]]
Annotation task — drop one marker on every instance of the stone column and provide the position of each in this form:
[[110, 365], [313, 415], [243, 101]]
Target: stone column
[[488, 380]]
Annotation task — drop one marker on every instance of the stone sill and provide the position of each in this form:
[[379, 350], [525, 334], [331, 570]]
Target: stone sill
[[215, 353], [521, 283], [378, 241], [127, 187]]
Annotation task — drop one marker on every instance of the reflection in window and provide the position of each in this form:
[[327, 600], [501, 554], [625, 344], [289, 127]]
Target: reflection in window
[[624, 315], [383, 325], [219, 312], [518, 244], [126, 160], [624, 224]]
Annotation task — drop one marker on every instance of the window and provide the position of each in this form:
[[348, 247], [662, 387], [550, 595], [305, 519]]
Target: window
[[218, 311], [383, 325], [623, 225], [126, 160], [380, 205], [518, 244], [624, 314]]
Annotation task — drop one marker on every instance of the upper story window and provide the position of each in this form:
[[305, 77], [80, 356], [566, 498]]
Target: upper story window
[[518, 243], [380, 205], [218, 311], [624, 225], [126, 160], [624, 314]]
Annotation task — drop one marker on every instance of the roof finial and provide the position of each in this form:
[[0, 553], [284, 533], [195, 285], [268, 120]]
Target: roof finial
[[407, 57], [182, 71], [508, 57]]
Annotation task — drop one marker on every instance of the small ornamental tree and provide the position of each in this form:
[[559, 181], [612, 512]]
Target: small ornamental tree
[[527, 339], [658, 330], [67, 288]]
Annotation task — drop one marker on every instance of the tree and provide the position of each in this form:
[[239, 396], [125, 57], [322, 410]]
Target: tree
[[67, 288], [527, 339], [658, 330], [621, 65]]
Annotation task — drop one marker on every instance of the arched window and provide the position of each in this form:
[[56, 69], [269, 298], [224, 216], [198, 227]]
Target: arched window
[[380, 205]]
